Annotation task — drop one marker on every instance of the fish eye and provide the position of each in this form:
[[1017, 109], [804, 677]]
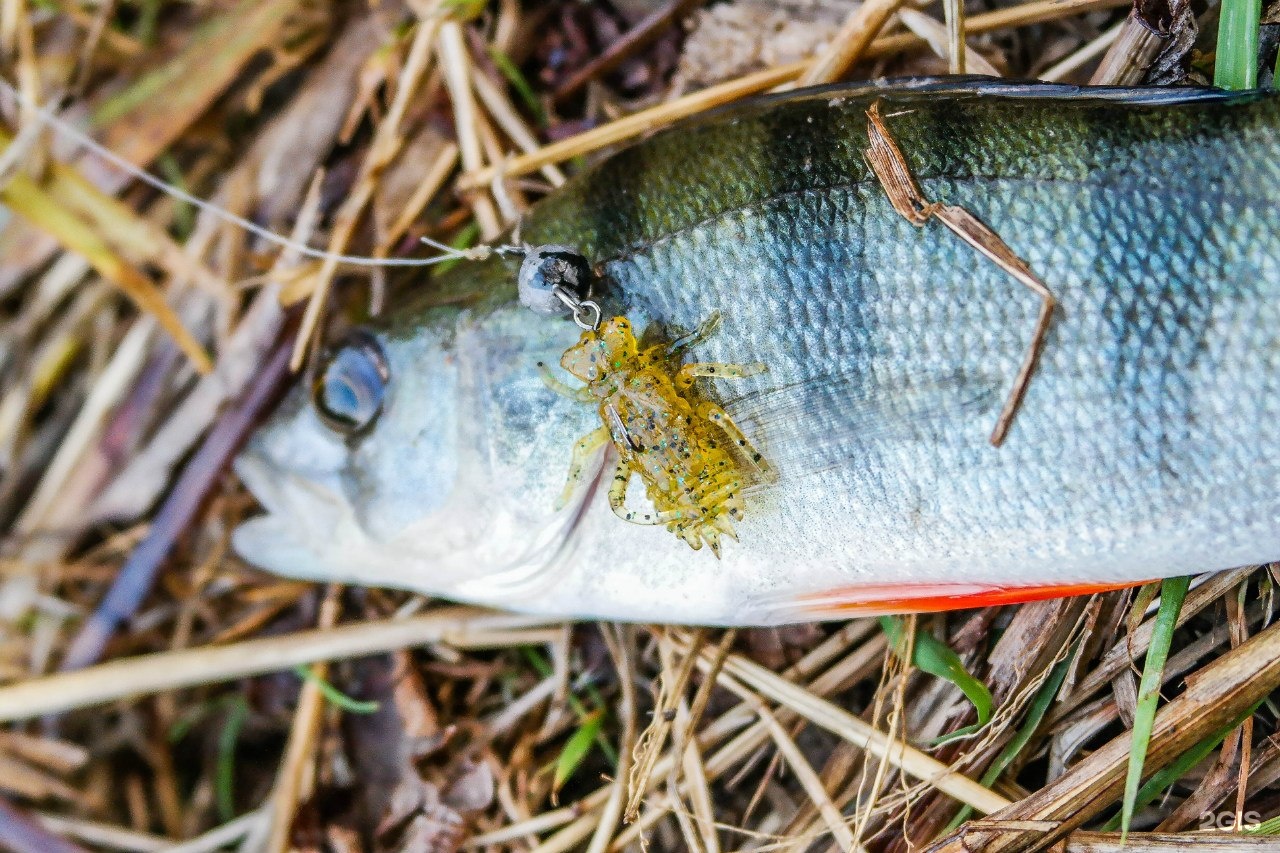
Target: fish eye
[[351, 383]]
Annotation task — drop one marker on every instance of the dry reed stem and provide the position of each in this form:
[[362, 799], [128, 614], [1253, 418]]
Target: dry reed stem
[[544, 822], [685, 747], [1130, 54], [1132, 646], [808, 779], [1076, 60], [30, 200], [695, 772], [457, 77], [936, 35], [746, 742], [750, 739], [621, 643], [295, 775], [105, 835], [43, 511], [664, 114], [840, 722], [220, 836], [633, 125], [953, 13], [344, 227], [1141, 842], [670, 687], [695, 841], [850, 44], [433, 180], [511, 123], [386, 144], [1216, 695], [461, 627]]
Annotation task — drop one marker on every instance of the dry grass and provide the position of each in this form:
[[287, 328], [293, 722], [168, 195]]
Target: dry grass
[[149, 677]]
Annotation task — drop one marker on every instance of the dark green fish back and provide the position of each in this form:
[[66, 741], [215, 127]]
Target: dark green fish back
[[749, 155]]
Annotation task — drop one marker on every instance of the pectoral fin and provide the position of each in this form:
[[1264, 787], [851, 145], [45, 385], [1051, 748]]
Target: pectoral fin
[[833, 420]]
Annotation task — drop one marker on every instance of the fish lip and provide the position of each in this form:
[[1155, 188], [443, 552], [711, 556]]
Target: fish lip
[[264, 480], [270, 485]]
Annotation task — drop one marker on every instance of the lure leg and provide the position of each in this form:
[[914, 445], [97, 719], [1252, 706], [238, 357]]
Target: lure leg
[[890, 167], [705, 329], [712, 537], [581, 395], [662, 352], [582, 451], [711, 412], [618, 499], [686, 375]]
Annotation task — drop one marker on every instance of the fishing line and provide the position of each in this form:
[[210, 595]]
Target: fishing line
[[47, 118]]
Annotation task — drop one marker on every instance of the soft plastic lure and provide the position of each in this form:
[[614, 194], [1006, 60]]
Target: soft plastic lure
[[693, 460]]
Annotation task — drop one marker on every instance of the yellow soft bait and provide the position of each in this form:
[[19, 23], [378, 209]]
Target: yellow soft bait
[[692, 458]]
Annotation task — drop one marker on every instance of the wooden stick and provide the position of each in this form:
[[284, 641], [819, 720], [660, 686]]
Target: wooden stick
[[895, 176], [851, 43], [458, 626], [653, 118]]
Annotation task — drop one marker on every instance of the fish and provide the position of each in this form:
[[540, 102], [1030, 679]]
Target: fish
[[429, 455]]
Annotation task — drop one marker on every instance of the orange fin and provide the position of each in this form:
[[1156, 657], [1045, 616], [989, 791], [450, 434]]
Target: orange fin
[[884, 599]]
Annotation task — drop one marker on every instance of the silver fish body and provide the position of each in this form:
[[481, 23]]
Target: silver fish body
[[1145, 447]]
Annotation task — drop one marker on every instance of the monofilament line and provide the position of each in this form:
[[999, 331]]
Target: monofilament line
[[48, 118]]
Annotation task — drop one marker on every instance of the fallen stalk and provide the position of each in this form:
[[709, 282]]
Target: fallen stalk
[[1216, 695], [464, 628], [838, 721], [644, 121]]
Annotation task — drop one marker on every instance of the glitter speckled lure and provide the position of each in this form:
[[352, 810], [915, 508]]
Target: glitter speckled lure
[[694, 462]]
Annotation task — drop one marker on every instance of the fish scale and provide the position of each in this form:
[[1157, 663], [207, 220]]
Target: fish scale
[[1144, 447]]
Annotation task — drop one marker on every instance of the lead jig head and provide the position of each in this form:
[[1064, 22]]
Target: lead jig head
[[553, 278]]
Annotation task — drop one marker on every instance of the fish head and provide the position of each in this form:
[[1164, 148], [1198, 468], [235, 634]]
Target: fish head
[[425, 455]]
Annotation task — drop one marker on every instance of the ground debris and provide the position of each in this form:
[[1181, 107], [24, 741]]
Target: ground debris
[[337, 124]]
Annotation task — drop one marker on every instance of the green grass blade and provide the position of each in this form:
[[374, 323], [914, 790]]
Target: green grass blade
[[225, 771], [1035, 715], [184, 214], [936, 658], [335, 696], [465, 239], [1267, 827], [1165, 777], [518, 82], [544, 669], [1173, 592], [1236, 65], [577, 748]]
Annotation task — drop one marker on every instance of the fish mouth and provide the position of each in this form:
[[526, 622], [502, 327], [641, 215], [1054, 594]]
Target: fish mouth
[[299, 515], [309, 531]]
